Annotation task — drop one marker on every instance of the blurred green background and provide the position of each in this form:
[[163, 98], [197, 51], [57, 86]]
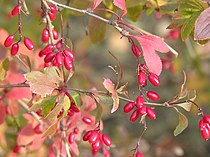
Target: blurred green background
[[91, 67]]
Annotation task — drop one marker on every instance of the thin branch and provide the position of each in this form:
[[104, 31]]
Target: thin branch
[[14, 85], [25, 106]]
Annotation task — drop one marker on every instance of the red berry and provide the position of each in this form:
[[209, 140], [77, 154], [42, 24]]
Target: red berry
[[128, 107], [16, 10], [76, 130], [52, 8], [52, 16], [39, 112], [87, 135], [71, 138], [96, 145], [106, 152], [9, 40], [136, 51], [68, 63], [201, 124], [55, 34], [28, 43], [206, 118], [47, 64], [39, 129], [93, 137], [59, 58], [106, 140], [49, 57], [45, 35], [60, 114], [74, 108], [138, 154], [143, 110], [134, 116], [151, 113], [87, 120], [142, 78], [205, 133], [154, 79], [139, 101], [17, 149], [59, 45], [14, 49], [69, 54], [70, 112], [153, 96], [47, 49]]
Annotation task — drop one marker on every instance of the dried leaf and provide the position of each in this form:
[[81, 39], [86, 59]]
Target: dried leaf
[[96, 3], [24, 59], [76, 98], [51, 130], [122, 88], [99, 112], [202, 26], [182, 123], [4, 66], [42, 83], [111, 88]]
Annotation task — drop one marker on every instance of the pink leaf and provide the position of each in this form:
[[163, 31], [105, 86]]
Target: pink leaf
[[202, 26], [121, 4], [26, 135], [2, 113], [109, 85], [154, 41], [18, 93], [152, 60], [95, 4]]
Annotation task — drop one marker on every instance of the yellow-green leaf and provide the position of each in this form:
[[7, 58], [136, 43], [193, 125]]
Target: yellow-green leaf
[[50, 131], [182, 123], [4, 66]]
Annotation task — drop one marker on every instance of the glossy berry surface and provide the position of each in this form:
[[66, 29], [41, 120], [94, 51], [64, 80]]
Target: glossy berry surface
[[142, 78], [28, 43], [151, 113], [107, 141], [138, 154], [16, 10], [45, 35], [9, 40], [153, 96], [139, 101], [136, 51], [134, 116], [14, 49], [128, 107], [154, 79]]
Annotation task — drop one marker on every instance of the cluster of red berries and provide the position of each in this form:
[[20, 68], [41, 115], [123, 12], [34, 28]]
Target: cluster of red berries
[[52, 12], [55, 56], [72, 134], [10, 39], [98, 139], [204, 126], [73, 109], [141, 109]]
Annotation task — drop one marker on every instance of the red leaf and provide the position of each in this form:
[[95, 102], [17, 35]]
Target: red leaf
[[152, 60], [120, 4], [149, 44], [18, 93], [154, 41], [202, 26], [2, 113], [95, 4], [26, 135]]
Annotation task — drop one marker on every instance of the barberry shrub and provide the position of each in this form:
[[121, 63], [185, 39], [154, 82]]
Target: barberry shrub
[[73, 86]]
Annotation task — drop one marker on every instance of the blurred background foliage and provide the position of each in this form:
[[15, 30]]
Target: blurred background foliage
[[91, 40]]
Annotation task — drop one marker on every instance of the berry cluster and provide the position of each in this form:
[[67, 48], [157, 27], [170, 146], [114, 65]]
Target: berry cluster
[[72, 134], [9, 41], [55, 55], [204, 126], [51, 13], [98, 139]]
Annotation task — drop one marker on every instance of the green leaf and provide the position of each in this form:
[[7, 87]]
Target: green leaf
[[63, 103], [43, 83], [182, 123], [99, 112], [134, 12], [189, 26], [149, 11], [104, 99], [46, 104], [96, 30], [4, 66], [76, 98]]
